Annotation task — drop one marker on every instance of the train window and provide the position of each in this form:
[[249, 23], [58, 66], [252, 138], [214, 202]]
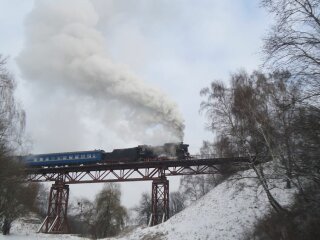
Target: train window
[[88, 155], [76, 156], [47, 159], [41, 159], [64, 157], [70, 157], [83, 156], [93, 155]]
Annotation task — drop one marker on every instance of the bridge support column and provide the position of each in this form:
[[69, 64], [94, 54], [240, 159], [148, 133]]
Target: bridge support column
[[160, 201], [56, 220]]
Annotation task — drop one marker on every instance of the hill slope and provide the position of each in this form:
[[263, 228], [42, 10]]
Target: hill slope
[[226, 212]]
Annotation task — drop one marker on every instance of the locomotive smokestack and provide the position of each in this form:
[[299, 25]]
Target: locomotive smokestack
[[64, 50]]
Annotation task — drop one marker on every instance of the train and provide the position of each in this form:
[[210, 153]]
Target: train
[[141, 153]]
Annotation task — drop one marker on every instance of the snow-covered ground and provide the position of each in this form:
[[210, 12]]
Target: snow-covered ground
[[226, 212], [26, 228]]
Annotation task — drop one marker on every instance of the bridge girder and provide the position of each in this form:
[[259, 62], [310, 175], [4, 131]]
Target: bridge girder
[[141, 171]]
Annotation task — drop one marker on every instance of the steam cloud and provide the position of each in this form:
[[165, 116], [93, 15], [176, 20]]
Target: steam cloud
[[64, 50]]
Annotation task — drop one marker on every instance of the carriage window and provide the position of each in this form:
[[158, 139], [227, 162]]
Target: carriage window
[[93, 155], [70, 157], [76, 156], [64, 157], [88, 155]]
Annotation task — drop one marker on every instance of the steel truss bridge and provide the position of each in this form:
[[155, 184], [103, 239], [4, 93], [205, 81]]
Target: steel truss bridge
[[156, 171]]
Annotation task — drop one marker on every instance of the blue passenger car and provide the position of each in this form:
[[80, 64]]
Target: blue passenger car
[[63, 159]]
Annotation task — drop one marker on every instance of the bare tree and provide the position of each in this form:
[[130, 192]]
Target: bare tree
[[42, 200], [143, 210], [84, 218], [193, 187], [177, 202], [109, 214], [15, 198], [248, 115], [263, 119], [293, 43], [12, 117]]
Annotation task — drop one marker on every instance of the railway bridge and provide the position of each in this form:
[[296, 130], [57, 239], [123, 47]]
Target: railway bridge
[[156, 171]]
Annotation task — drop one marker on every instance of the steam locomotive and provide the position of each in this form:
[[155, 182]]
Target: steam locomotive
[[169, 151]]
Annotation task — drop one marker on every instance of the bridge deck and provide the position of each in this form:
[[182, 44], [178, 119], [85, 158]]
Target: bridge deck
[[132, 171]]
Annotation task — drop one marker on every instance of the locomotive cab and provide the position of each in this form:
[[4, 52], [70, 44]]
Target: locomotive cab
[[182, 151]]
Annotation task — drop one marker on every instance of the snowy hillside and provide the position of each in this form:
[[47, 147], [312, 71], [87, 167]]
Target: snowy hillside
[[226, 212]]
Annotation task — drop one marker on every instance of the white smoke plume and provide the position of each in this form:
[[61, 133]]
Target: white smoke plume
[[65, 50]]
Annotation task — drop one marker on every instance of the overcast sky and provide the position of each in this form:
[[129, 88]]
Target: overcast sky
[[177, 47]]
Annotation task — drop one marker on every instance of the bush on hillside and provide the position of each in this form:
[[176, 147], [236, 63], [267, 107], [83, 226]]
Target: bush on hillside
[[302, 223]]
